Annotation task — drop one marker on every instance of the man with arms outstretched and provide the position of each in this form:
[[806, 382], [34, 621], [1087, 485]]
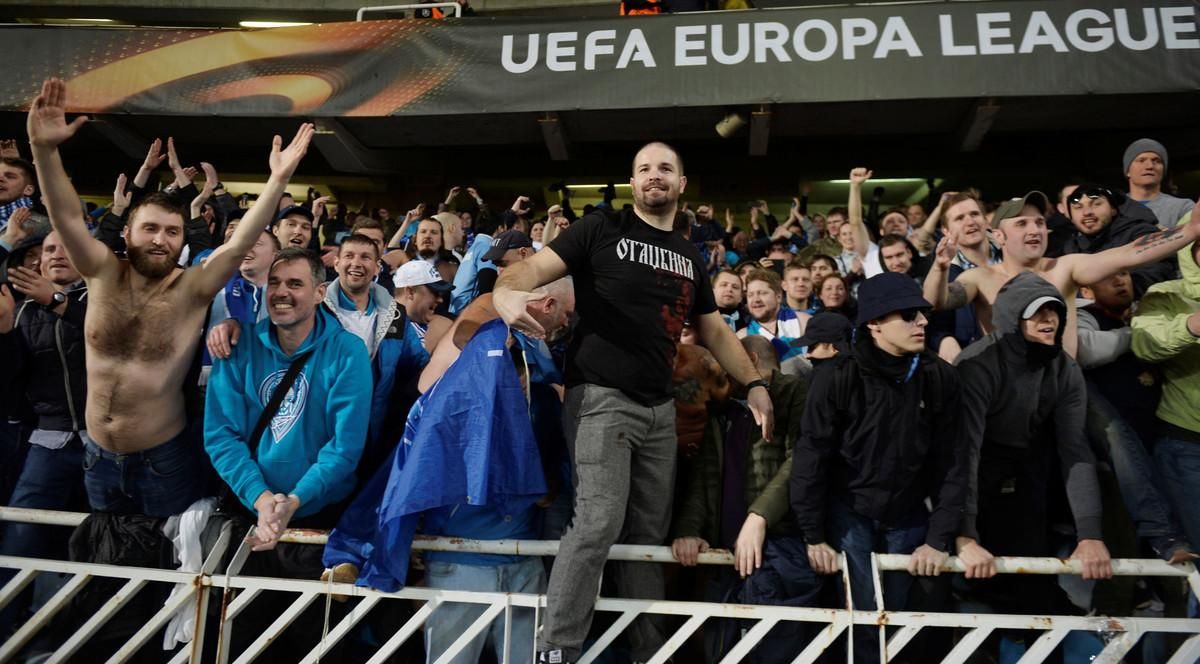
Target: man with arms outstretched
[[636, 282], [1020, 227], [143, 323]]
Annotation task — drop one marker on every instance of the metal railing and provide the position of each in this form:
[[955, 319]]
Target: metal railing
[[240, 591]]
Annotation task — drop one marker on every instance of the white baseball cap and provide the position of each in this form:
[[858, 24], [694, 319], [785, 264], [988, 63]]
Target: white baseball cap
[[420, 273]]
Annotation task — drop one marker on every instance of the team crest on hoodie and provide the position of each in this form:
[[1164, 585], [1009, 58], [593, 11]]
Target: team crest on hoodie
[[292, 405]]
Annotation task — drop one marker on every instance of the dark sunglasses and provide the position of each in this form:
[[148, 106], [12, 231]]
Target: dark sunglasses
[[1093, 194], [910, 315]]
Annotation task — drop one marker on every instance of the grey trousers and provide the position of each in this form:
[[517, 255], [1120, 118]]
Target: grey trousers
[[623, 457]]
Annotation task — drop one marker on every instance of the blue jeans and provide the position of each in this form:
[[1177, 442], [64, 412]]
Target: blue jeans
[[1178, 464], [858, 536], [49, 480], [1149, 508], [451, 619], [159, 482]]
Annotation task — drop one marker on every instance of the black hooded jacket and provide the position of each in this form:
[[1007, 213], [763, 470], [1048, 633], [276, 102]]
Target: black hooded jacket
[[1018, 395], [878, 433], [1118, 233]]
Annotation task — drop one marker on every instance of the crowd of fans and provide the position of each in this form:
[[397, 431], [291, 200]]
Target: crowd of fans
[[965, 378]]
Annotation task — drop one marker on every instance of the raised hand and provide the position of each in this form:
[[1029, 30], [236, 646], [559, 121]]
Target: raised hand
[[16, 232], [210, 182], [284, 161], [172, 156], [521, 205], [154, 156], [947, 249], [318, 206], [47, 122], [121, 198], [860, 175], [8, 149], [32, 284]]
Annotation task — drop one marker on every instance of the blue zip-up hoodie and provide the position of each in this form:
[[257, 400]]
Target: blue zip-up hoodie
[[312, 446], [468, 440]]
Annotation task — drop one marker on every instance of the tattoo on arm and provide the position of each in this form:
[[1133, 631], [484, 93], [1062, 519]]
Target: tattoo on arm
[[1147, 242], [956, 296]]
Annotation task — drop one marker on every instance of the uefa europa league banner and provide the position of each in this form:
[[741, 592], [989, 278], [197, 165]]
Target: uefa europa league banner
[[482, 65]]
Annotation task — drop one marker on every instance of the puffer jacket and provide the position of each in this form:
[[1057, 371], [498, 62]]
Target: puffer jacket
[[46, 354]]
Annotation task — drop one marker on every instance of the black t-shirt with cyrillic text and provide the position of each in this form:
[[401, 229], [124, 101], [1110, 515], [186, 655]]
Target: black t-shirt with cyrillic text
[[635, 285]]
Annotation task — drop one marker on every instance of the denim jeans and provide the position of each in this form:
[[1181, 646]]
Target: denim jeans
[[1147, 505], [451, 619], [49, 480], [1178, 464], [858, 536], [160, 482]]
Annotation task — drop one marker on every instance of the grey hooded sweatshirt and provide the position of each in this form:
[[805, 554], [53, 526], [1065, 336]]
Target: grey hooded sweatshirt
[[1022, 399]]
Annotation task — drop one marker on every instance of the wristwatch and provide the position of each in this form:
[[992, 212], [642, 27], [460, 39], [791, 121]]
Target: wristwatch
[[56, 298], [756, 383]]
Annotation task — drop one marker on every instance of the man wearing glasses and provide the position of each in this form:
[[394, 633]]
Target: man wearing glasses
[[879, 437], [1099, 225]]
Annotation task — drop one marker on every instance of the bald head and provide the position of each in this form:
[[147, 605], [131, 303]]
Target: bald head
[[761, 350], [656, 148]]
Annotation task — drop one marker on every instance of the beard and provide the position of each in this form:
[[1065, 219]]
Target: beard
[[427, 252], [151, 267]]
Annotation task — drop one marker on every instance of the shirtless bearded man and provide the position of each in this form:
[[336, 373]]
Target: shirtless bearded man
[[143, 323]]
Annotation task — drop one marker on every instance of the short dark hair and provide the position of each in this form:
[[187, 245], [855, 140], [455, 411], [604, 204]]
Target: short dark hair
[[161, 201], [23, 166], [823, 257], [796, 264], [359, 238], [365, 223], [959, 197], [274, 239], [294, 254], [838, 210]]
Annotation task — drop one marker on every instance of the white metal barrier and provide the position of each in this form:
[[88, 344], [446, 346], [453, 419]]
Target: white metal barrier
[[760, 619]]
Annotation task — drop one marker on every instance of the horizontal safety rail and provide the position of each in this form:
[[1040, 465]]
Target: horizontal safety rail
[[897, 629]]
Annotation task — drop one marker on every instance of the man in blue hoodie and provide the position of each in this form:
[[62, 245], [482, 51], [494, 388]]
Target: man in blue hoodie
[[303, 465]]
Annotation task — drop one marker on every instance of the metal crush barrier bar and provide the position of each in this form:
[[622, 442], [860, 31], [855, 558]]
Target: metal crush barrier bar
[[759, 619]]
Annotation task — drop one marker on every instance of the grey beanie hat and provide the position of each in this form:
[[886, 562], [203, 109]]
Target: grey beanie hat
[[1143, 145]]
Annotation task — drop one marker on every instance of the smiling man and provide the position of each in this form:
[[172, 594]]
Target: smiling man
[[637, 281], [143, 323], [1020, 227], [295, 227], [303, 464], [1095, 212]]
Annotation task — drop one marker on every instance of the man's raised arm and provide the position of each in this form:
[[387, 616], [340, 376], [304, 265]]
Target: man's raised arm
[[48, 128], [513, 289], [862, 237], [220, 266], [937, 289], [1093, 268]]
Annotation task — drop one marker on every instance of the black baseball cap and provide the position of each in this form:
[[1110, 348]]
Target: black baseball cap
[[301, 210], [505, 241]]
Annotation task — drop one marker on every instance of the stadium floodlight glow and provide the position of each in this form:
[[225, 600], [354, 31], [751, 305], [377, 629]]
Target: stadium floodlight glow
[[271, 24], [88, 20], [885, 181]]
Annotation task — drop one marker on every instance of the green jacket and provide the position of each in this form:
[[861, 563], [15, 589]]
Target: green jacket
[[1160, 335], [828, 246], [767, 470]]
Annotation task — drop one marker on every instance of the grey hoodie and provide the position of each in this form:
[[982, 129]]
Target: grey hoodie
[[1018, 396]]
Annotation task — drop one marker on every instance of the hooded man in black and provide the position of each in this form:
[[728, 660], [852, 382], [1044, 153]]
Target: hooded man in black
[[877, 439], [1024, 404]]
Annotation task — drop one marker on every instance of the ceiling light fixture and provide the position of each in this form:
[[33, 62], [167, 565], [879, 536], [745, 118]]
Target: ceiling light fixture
[[271, 24]]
